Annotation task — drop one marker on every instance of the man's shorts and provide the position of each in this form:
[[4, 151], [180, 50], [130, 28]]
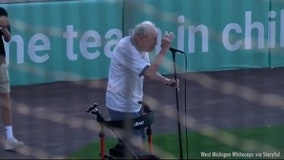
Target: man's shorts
[[4, 79]]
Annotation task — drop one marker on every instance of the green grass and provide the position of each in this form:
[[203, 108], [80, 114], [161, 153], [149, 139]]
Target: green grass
[[224, 147]]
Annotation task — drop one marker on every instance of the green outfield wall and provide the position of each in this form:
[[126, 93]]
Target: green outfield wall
[[73, 40]]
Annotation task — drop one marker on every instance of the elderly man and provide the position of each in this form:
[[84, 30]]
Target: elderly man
[[129, 65]]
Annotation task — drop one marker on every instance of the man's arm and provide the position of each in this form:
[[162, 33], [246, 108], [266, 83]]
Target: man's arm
[[152, 71]]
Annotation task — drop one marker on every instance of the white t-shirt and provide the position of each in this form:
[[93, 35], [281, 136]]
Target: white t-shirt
[[125, 79]]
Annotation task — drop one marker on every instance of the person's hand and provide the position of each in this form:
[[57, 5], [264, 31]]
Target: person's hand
[[4, 21], [172, 82], [167, 40]]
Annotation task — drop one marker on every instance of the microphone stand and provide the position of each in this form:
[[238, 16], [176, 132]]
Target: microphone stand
[[177, 105]]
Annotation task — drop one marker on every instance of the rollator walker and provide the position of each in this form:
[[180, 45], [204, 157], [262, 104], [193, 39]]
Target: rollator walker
[[143, 121]]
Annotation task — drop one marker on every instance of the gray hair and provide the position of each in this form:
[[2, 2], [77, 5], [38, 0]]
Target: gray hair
[[143, 28]]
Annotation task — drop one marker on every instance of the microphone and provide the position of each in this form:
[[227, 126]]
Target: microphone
[[176, 50]]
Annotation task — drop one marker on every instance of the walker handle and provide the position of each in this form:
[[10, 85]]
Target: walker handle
[[91, 109], [145, 106]]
